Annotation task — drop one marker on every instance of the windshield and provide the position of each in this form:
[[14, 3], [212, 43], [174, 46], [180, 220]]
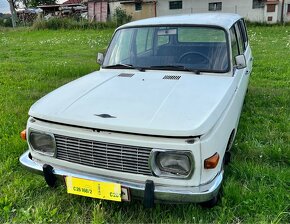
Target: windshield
[[160, 47]]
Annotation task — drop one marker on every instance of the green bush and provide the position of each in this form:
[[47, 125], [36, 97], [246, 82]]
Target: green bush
[[5, 22], [121, 17], [69, 23]]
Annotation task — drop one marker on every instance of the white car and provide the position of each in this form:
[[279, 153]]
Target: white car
[[156, 122]]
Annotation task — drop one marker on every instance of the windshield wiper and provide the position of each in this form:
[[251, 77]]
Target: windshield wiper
[[174, 67], [159, 67], [120, 65], [125, 66]]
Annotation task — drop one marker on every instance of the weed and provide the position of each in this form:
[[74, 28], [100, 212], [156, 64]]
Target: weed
[[256, 186], [69, 23]]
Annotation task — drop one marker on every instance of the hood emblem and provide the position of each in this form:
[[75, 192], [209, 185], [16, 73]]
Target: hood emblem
[[104, 115]]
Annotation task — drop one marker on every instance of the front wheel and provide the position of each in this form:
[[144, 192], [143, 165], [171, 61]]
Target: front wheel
[[211, 203]]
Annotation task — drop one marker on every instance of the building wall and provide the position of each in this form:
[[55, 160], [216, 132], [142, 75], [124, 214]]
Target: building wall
[[147, 11], [286, 14], [98, 10], [273, 15], [113, 6], [244, 8]]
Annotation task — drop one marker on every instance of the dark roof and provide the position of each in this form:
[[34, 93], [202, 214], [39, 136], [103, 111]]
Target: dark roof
[[72, 2]]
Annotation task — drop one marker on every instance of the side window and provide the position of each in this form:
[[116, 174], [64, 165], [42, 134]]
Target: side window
[[199, 34], [123, 49], [144, 40], [234, 44], [162, 40], [244, 32], [162, 37], [240, 40], [150, 38]]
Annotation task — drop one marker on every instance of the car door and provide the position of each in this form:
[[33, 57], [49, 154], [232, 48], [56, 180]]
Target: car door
[[247, 49], [240, 46]]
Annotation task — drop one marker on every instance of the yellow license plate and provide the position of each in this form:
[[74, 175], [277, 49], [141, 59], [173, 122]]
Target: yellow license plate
[[93, 189]]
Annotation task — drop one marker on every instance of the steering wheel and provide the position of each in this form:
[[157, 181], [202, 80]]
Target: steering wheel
[[194, 57]]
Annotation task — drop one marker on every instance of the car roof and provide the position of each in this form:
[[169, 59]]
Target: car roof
[[225, 20]]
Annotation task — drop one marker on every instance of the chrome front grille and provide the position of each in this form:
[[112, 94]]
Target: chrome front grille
[[123, 158]]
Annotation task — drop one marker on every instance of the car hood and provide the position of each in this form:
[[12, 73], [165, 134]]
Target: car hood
[[153, 103]]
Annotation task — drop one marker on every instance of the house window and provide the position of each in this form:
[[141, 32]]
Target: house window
[[270, 18], [288, 10], [215, 6], [271, 8], [138, 6], [175, 5], [258, 4]]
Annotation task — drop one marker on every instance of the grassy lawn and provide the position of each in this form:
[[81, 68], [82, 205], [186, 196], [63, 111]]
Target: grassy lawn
[[257, 182]]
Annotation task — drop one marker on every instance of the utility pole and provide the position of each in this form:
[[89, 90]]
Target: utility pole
[[13, 13], [282, 11]]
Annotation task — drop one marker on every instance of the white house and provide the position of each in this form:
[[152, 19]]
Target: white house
[[254, 10]]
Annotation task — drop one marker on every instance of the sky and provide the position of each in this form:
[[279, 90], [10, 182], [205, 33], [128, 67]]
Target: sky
[[4, 6]]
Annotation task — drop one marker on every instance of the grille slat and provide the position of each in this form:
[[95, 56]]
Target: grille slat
[[100, 150], [117, 157], [99, 147], [126, 156], [104, 165], [113, 166]]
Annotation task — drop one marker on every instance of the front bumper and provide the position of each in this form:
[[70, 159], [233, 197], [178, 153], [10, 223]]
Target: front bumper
[[176, 194]]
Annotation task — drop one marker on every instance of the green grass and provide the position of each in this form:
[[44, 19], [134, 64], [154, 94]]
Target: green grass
[[257, 182], [69, 23]]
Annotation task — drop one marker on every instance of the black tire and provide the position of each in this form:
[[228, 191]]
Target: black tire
[[211, 203], [231, 140], [227, 158]]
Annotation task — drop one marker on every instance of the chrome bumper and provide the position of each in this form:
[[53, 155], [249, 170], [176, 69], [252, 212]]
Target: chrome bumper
[[176, 194]]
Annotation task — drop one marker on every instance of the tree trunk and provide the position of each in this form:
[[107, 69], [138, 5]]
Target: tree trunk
[[13, 13], [24, 2]]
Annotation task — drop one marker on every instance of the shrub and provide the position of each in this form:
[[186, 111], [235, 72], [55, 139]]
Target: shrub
[[6, 22], [121, 17], [69, 23]]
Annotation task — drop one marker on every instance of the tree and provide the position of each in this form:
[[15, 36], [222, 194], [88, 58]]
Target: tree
[[34, 3], [121, 16], [13, 4], [13, 12]]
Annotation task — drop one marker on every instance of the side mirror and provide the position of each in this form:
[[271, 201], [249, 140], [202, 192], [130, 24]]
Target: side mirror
[[240, 61], [100, 58]]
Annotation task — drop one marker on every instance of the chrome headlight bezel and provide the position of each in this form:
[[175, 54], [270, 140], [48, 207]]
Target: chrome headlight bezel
[[156, 171], [53, 143]]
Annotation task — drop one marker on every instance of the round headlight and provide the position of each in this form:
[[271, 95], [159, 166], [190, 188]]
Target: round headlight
[[173, 163], [42, 142]]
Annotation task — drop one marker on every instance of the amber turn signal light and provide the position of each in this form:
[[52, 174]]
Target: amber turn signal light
[[23, 134], [211, 162]]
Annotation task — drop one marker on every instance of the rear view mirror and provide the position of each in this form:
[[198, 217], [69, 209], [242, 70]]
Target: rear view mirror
[[240, 61], [100, 58]]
